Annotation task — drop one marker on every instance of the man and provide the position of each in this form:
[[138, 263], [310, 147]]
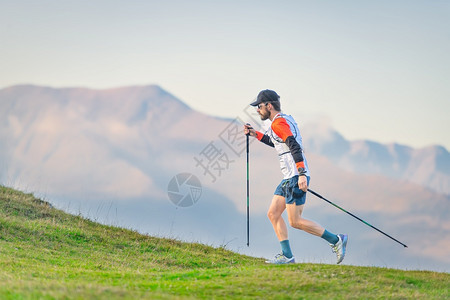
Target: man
[[290, 194]]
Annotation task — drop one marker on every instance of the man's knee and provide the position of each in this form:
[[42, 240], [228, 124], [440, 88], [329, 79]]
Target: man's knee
[[296, 223], [272, 215]]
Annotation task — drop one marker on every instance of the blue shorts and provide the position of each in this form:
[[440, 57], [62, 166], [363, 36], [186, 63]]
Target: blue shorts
[[288, 188]]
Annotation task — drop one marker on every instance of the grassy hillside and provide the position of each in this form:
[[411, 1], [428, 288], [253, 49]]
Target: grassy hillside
[[47, 254]]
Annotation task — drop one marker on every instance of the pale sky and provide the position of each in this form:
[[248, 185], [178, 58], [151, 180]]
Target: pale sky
[[375, 70]]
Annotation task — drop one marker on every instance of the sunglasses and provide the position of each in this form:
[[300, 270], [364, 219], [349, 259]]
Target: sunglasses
[[261, 104]]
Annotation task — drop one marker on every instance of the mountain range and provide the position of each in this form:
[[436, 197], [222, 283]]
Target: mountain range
[[428, 166], [111, 154]]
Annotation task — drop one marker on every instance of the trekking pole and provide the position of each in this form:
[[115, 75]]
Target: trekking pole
[[248, 186], [248, 196], [314, 193]]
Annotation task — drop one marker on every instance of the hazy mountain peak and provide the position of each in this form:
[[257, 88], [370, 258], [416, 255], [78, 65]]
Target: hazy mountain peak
[[427, 166]]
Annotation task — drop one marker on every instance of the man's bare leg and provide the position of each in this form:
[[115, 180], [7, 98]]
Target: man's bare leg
[[338, 242], [295, 220], [275, 212], [276, 209]]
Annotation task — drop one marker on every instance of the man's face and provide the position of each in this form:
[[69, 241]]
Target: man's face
[[264, 113]]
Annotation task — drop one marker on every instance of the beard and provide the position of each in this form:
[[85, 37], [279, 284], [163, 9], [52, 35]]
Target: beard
[[264, 115]]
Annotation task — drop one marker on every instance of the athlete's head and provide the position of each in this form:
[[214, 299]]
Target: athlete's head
[[267, 102]]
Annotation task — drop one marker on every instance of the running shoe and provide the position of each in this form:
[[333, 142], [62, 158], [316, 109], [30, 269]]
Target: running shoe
[[280, 259], [339, 247]]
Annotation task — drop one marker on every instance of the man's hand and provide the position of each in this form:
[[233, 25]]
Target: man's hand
[[302, 183], [248, 130]]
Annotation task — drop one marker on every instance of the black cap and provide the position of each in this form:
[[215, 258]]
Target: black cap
[[266, 96]]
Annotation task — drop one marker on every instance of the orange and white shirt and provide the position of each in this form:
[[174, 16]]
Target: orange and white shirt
[[285, 137]]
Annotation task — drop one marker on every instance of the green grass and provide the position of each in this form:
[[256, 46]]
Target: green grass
[[46, 253]]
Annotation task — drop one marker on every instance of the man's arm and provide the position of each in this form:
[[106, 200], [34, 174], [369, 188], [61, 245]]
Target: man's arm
[[264, 138], [248, 129]]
